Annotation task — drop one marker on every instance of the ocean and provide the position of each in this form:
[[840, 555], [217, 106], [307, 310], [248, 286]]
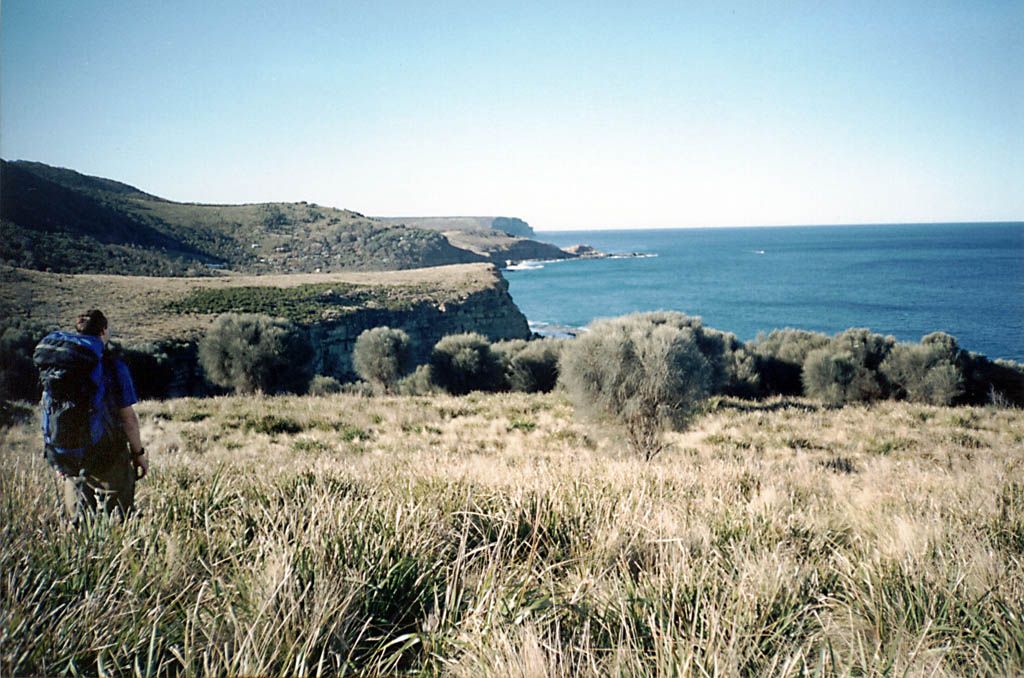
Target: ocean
[[905, 280]]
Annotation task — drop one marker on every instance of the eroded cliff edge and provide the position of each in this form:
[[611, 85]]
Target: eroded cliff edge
[[167, 317]]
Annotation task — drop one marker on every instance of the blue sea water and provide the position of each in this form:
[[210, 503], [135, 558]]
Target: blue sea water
[[906, 280]]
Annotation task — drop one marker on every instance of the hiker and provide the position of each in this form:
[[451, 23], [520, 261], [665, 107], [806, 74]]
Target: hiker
[[91, 433]]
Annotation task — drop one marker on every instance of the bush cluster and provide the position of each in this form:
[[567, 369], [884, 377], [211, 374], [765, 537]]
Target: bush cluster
[[461, 363], [860, 366], [253, 353]]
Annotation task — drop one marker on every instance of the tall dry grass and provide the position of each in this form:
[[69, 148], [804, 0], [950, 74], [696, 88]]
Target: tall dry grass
[[495, 535]]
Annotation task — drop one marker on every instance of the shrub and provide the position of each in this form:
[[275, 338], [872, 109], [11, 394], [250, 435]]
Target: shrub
[[461, 363], [418, 383], [927, 372], [639, 372], [530, 366], [19, 378], [847, 368], [255, 353], [381, 356], [832, 377], [323, 385], [780, 357]]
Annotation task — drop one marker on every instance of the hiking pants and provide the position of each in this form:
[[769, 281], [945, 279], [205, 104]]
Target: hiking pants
[[110, 486]]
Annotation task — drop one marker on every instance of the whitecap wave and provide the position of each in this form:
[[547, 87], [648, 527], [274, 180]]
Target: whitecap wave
[[543, 329], [523, 266]]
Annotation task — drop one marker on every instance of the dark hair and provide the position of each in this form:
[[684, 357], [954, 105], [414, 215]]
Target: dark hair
[[91, 322]]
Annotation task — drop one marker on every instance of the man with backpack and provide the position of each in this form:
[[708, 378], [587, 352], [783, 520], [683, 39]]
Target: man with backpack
[[90, 430]]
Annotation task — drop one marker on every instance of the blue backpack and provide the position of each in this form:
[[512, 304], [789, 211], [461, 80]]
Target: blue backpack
[[74, 415]]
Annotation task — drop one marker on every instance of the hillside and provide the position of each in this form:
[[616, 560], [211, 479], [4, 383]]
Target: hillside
[[60, 220]]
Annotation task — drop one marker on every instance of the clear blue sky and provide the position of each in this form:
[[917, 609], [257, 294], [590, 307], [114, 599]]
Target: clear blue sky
[[566, 114]]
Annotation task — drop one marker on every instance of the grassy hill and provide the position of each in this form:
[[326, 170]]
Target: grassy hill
[[59, 220], [497, 535]]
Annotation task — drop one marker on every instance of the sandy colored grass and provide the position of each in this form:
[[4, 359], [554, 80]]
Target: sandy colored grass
[[773, 538]]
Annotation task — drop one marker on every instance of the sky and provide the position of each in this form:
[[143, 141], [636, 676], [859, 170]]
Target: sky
[[565, 114]]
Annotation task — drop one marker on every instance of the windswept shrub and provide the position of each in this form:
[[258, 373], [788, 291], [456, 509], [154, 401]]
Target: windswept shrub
[[928, 372], [638, 372], [846, 370], [733, 368], [834, 378], [323, 385], [255, 353], [418, 383], [19, 378], [461, 363], [780, 357], [530, 366], [381, 356]]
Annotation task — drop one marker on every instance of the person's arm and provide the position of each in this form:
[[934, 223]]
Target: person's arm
[[130, 426]]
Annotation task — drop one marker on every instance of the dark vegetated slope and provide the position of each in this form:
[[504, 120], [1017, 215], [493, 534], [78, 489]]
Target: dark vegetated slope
[[61, 220]]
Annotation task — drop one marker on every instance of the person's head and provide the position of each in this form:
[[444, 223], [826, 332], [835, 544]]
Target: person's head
[[93, 323]]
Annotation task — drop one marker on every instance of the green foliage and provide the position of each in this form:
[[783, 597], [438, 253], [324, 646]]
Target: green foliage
[[733, 368], [270, 424], [530, 366], [302, 303], [780, 357], [638, 371], [323, 385], [461, 363], [382, 356], [418, 383], [19, 378], [253, 353], [846, 370], [928, 372]]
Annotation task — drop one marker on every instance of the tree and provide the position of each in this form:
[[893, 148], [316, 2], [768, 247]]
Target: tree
[[461, 363], [643, 372], [256, 353], [381, 356]]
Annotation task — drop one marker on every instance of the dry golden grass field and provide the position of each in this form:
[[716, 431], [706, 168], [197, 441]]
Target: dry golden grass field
[[497, 535]]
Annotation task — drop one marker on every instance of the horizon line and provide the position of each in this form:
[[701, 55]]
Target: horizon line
[[806, 225]]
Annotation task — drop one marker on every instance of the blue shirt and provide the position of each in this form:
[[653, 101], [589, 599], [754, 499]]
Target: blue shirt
[[118, 388]]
